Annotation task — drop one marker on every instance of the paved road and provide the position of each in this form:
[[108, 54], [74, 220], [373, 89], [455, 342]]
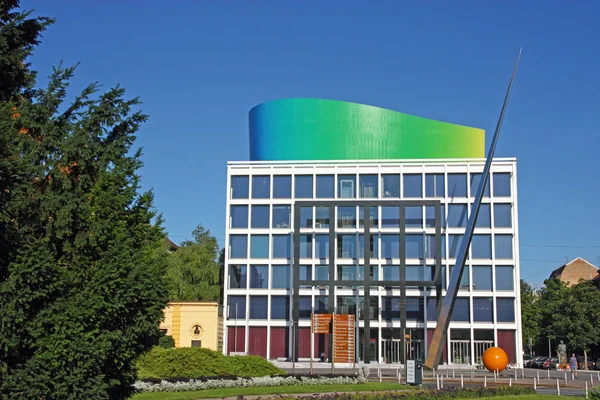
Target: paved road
[[548, 382]]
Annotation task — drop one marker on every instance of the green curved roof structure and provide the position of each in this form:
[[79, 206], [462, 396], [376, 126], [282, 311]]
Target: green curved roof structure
[[319, 129]]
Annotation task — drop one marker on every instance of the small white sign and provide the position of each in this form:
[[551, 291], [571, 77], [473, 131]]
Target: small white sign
[[410, 371]]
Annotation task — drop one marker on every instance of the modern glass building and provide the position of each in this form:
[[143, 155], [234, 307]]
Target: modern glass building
[[298, 242]]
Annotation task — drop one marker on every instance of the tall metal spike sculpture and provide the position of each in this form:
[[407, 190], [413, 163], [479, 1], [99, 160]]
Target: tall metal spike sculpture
[[443, 320]]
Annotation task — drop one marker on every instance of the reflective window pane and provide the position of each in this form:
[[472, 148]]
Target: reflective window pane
[[434, 185], [390, 185], [415, 272], [457, 215], [464, 279], [461, 310], [457, 185], [258, 307], [306, 217], [261, 187], [368, 186], [322, 246], [415, 309], [236, 307], [481, 246], [238, 246], [454, 242], [322, 217], [282, 187], [280, 275], [305, 246], [484, 218], [304, 187], [237, 277], [347, 272], [431, 309], [501, 184], [414, 216], [239, 217], [259, 277], [430, 216], [475, 180], [502, 215], [260, 217], [482, 278], [305, 307], [415, 246], [346, 217], [503, 244], [321, 304], [372, 213], [239, 187], [413, 185], [347, 246], [391, 273], [390, 217], [325, 187], [390, 308], [346, 186], [281, 216], [373, 246], [321, 273], [483, 309], [505, 277], [306, 275], [281, 246], [390, 246], [259, 246], [505, 309], [280, 307]]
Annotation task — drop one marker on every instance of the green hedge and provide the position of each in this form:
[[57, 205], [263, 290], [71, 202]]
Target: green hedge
[[194, 362]]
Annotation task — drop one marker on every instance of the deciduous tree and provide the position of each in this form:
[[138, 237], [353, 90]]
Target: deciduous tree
[[193, 270]]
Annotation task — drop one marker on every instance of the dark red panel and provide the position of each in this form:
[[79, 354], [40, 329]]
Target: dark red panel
[[321, 345], [506, 341], [231, 339], [279, 342], [444, 351], [304, 343], [257, 341]]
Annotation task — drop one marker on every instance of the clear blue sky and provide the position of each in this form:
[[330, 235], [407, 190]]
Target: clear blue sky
[[199, 66]]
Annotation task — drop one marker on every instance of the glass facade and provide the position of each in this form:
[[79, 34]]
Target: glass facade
[[260, 253]]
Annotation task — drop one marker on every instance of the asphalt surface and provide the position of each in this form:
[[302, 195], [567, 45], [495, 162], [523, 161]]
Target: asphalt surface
[[545, 381]]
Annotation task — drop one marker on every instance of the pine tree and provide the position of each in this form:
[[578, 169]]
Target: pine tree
[[81, 248]]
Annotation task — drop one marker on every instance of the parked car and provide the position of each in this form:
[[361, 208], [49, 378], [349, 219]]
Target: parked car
[[532, 361], [550, 363], [540, 362], [598, 363], [591, 364]]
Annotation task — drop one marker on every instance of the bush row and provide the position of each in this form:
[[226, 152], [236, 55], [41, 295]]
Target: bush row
[[265, 381], [233, 378], [160, 363]]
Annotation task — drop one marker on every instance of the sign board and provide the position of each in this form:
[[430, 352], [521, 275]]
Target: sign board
[[321, 323], [343, 338], [411, 371]]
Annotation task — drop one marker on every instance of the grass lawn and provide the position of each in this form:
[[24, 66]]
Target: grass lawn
[[260, 391]]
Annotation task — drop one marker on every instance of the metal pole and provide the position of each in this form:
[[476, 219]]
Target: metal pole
[[332, 347], [550, 350], [443, 321], [462, 383], [586, 390], [312, 342], [557, 388], [293, 350], [236, 330]]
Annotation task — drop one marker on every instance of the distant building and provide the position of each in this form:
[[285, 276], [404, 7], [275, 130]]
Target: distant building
[[194, 324], [576, 270]]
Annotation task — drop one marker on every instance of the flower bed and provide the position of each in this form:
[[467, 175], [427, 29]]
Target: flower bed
[[185, 385]]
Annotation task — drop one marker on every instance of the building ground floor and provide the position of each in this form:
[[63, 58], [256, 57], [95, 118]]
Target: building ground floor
[[464, 344]]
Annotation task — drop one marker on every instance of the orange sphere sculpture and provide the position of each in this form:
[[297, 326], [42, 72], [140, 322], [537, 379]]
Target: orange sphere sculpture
[[495, 359]]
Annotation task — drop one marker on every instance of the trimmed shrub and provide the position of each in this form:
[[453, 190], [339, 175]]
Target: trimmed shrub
[[166, 342], [195, 362]]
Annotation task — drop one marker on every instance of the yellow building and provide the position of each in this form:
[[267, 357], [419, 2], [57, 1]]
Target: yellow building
[[194, 324]]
